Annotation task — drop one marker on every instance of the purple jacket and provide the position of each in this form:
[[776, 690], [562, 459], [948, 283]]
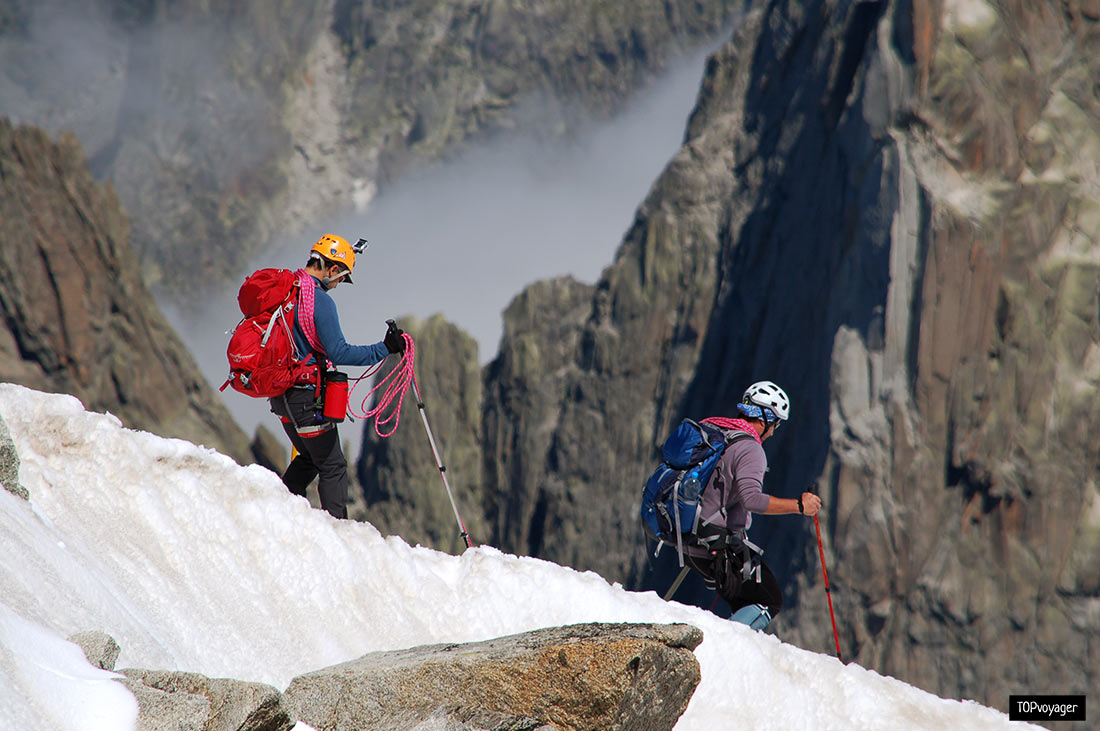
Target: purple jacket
[[736, 487]]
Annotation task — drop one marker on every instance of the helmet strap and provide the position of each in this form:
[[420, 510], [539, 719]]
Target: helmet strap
[[328, 282]]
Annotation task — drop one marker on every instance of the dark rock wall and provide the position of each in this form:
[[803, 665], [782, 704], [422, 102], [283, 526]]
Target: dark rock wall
[[526, 387]]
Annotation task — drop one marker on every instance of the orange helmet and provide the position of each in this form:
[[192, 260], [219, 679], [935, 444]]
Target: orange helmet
[[335, 250]]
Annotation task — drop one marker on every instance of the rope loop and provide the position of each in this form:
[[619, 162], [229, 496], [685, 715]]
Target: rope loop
[[393, 386]]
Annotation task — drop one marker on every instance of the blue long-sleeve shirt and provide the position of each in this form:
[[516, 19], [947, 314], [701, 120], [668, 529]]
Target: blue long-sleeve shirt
[[326, 321]]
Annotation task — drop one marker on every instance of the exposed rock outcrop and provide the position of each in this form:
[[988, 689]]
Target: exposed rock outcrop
[[593, 676], [9, 464], [525, 389], [269, 450], [404, 494], [589, 676], [99, 647], [177, 700], [79, 319]]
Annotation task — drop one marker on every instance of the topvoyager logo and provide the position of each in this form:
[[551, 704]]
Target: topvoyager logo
[[1046, 708]]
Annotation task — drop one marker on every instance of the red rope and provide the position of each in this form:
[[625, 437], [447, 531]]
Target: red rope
[[393, 386]]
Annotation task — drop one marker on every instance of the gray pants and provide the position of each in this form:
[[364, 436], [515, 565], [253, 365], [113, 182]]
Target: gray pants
[[319, 452]]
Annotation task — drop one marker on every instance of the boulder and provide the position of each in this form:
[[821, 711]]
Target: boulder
[[99, 647], [184, 701], [588, 676]]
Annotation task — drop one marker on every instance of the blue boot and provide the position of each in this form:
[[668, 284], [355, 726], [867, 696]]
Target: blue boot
[[756, 616]]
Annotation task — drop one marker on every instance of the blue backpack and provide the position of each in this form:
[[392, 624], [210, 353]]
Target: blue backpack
[[670, 500]]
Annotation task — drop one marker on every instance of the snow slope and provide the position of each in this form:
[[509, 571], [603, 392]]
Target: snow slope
[[195, 563]]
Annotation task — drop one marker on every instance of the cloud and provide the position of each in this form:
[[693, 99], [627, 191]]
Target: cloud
[[463, 238], [64, 70], [163, 85]]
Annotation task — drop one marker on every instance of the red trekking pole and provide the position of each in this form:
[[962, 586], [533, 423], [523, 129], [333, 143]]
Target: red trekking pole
[[825, 574]]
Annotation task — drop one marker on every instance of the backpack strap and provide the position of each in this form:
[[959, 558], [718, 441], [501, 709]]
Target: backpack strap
[[306, 296]]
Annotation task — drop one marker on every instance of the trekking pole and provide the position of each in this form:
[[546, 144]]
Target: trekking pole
[[825, 574], [435, 453], [394, 386], [439, 464], [676, 584]]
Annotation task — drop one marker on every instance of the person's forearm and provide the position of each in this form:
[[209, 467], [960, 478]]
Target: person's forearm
[[781, 506]]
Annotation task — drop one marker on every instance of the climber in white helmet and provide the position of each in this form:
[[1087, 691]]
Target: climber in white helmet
[[726, 559]]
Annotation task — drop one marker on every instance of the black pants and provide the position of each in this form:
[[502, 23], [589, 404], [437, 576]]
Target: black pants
[[766, 591], [319, 454]]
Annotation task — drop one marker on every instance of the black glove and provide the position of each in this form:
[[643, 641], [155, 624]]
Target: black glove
[[395, 338]]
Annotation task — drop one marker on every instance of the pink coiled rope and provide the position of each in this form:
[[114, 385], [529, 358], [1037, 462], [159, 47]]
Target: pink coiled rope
[[393, 388]]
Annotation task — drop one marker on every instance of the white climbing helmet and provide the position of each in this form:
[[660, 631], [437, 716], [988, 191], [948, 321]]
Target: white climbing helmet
[[766, 394]]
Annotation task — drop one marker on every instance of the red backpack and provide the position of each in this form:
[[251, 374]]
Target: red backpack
[[262, 356]]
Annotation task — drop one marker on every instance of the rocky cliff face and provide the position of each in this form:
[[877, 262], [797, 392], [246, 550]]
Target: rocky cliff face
[[890, 209], [225, 126], [524, 389], [78, 318], [962, 453]]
